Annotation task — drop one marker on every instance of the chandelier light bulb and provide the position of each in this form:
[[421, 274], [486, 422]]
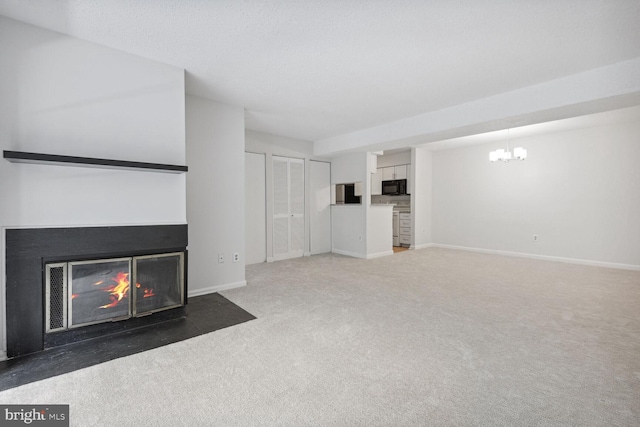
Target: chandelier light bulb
[[519, 153]]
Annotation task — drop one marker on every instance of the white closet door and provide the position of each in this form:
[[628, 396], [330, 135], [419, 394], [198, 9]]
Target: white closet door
[[320, 234], [280, 207], [288, 207], [296, 204]]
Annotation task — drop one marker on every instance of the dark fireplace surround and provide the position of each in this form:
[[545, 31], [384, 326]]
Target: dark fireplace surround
[[28, 251]]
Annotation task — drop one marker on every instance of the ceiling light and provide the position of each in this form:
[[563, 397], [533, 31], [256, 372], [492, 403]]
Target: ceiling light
[[519, 153]]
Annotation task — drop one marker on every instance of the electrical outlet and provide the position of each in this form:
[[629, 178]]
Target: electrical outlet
[[535, 237], [220, 257], [236, 256]]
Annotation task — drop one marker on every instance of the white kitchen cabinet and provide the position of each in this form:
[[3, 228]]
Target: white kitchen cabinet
[[387, 173], [400, 172], [409, 180], [393, 172], [357, 189]]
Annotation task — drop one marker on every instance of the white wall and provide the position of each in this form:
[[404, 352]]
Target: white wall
[[320, 207], [275, 145], [579, 191], [215, 195], [255, 202], [60, 95], [349, 222], [361, 231], [348, 231], [350, 168], [379, 231], [421, 199], [379, 218]]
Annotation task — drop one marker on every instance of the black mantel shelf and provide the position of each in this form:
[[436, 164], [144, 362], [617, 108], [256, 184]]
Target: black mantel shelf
[[39, 158]]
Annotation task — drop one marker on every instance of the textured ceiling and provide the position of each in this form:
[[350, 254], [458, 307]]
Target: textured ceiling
[[319, 69]]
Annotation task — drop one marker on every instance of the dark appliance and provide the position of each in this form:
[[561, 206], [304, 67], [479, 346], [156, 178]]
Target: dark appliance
[[350, 194], [394, 187]]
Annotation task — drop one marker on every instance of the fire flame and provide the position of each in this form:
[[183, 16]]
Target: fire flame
[[148, 292], [118, 291], [74, 296]]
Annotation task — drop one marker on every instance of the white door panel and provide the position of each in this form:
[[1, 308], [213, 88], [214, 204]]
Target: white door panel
[[288, 207]]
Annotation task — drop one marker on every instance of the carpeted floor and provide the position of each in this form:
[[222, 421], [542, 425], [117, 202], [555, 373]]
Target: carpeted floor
[[205, 313], [426, 337]]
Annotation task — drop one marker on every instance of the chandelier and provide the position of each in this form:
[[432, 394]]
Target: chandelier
[[501, 154]]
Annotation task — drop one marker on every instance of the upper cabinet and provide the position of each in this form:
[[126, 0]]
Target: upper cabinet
[[388, 173], [400, 172], [394, 172]]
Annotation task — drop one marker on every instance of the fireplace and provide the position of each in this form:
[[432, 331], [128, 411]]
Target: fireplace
[[70, 284], [80, 293]]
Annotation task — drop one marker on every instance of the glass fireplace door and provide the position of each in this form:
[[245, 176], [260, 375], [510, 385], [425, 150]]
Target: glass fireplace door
[[98, 291], [159, 282], [80, 293]]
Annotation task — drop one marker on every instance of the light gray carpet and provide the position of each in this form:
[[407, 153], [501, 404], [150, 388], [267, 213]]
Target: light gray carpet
[[427, 337]]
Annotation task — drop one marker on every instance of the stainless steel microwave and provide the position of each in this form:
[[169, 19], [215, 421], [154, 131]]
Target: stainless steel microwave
[[394, 187]]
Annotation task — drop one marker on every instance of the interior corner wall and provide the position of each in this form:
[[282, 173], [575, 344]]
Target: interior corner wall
[[61, 95], [349, 222], [275, 145], [421, 199], [215, 195], [578, 191]]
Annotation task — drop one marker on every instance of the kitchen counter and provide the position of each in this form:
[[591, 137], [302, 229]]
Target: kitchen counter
[[404, 207], [396, 208]]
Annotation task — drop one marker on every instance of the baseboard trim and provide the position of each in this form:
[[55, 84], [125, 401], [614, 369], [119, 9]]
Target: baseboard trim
[[347, 253], [421, 246], [379, 254], [217, 288], [542, 257]]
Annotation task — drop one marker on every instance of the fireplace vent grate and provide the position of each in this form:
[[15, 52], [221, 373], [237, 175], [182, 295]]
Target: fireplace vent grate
[[56, 297]]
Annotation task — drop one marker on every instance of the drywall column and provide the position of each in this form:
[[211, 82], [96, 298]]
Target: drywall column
[[349, 222], [379, 217], [215, 195], [255, 208], [421, 203]]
